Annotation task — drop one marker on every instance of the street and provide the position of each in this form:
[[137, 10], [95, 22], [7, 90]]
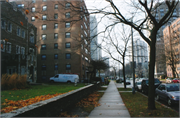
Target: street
[[174, 107]]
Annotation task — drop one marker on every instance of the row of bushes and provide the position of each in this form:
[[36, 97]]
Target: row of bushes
[[13, 81]]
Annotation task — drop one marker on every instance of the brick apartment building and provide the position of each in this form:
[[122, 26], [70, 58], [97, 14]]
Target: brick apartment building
[[172, 46], [18, 39], [62, 36]]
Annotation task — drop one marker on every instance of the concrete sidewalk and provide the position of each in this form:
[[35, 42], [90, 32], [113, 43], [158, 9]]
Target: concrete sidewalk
[[111, 104]]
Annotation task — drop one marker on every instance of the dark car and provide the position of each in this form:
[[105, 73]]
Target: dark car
[[145, 85], [168, 92]]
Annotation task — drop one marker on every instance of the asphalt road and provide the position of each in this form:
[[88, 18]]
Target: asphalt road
[[174, 107]]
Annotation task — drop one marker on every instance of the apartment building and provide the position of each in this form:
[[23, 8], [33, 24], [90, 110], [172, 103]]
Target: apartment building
[[172, 48], [160, 10], [62, 36], [18, 39]]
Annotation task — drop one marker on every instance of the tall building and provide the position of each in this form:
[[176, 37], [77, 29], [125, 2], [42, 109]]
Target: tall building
[[18, 39], [62, 36], [171, 36], [141, 58], [94, 38], [159, 10]]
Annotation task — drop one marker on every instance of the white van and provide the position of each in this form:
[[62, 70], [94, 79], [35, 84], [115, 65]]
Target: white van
[[65, 78]]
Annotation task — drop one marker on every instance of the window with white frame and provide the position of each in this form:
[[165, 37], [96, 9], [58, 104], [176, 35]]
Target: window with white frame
[[32, 18], [44, 8], [2, 45], [22, 50], [67, 15], [3, 24], [17, 49], [43, 36], [44, 17], [23, 33], [56, 6], [44, 27], [33, 9], [68, 24], [18, 31], [8, 47], [9, 28], [55, 25]]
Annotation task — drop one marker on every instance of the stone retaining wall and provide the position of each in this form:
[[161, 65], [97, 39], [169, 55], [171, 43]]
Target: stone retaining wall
[[52, 107]]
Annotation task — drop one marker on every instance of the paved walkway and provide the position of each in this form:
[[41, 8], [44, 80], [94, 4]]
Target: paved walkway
[[111, 104]]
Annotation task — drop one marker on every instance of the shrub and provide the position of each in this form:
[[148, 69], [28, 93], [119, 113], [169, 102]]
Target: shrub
[[13, 81]]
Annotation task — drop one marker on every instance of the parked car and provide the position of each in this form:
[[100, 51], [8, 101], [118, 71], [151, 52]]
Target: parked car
[[128, 81], [65, 78], [176, 80], [168, 92], [169, 80], [145, 85], [138, 85]]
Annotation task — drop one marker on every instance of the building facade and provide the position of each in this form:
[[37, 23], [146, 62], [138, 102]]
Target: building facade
[[18, 39], [172, 48], [160, 10], [62, 36]]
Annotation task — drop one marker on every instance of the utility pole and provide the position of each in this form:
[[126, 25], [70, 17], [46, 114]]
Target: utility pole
[[133, 89]]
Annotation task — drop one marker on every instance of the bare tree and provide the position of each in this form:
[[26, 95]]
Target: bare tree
[[147, 23]]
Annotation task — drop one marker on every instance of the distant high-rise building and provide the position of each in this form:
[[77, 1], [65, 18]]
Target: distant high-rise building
[[62, 36], [94, 38]]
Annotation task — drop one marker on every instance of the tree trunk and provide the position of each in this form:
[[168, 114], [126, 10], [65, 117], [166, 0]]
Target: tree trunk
[[151, 90], [124, 73]]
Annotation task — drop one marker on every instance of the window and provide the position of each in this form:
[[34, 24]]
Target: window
[[56, 6], [85, 33], [44, 17], [44, 8], [18, 31], [22, 50], [56, 46], [31, 39], [3, 24], [33, 9], [8, 47], [68, 35], [55, 16], [68, 45], [55, 36], [55, 56], [9, 27], [44, 27], [17, 49], [44, 0], [68, 56], [43, 57], [56, 67], [68, 15], [23, 34], [33, 1], [68, 5], [68, 66], [68, 25], [20, 6], [43, 47], [43, 36], [55, 25], [3, 45], [43, 67], [32, 18]]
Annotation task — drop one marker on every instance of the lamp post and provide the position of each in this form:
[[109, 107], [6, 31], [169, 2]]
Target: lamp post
[[133, 89]]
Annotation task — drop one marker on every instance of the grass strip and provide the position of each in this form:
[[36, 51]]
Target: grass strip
[[36, 90], [137, 105], [123, 89]]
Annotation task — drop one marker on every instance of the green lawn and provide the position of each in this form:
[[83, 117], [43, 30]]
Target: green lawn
[[37, 90], [137, 107], [123, 89]]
